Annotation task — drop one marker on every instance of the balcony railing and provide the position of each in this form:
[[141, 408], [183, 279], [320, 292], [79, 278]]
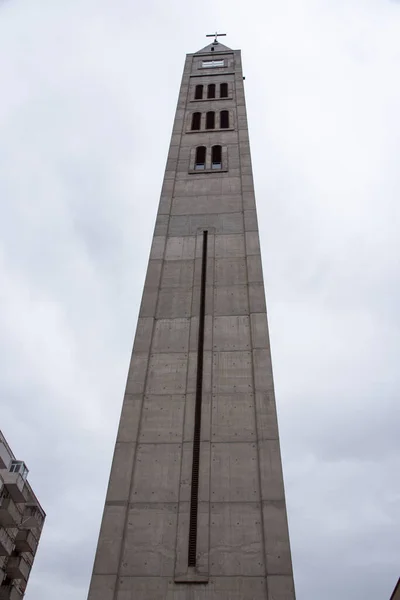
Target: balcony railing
[[32, 517], [10, 592], [9, 513], [25, 541], [18, 568], [6, 543]]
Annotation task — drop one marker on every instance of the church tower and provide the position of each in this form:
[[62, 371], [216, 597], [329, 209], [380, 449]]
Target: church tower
[[195, 507]]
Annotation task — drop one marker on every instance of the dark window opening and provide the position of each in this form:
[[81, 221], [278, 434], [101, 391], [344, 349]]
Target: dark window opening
[[210, 120], [223, 90], [224, 119], [200, 162], [216, 157], [198, 94], [211, 91], [196, 119]]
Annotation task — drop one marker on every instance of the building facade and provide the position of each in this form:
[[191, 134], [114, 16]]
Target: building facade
[[195, 507], [396, 592], [21, 523]]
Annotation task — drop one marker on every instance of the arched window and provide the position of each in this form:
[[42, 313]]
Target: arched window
[[224, 119], [196, 119], [200, 162], [211, 90], [223, 90], [198, 94], [210, 120], [216, 157]]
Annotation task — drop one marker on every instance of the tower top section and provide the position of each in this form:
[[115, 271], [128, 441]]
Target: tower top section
[[215, 46]]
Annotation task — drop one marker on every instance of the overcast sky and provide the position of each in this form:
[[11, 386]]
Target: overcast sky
[[88, 94]]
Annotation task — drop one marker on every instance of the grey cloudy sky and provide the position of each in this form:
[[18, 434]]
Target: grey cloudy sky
[[88, 93]]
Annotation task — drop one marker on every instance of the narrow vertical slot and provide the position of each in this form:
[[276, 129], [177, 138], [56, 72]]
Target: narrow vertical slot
[[194, 495]]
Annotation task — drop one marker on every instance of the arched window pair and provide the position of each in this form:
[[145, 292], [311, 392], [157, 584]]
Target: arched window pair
[[211, 89], [210, 120], [216, 158]]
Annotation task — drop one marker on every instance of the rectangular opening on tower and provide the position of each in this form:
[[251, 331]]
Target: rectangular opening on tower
[[210, 64]]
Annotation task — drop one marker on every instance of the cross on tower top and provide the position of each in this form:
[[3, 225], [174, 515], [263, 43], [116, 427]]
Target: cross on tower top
[[215, 35]]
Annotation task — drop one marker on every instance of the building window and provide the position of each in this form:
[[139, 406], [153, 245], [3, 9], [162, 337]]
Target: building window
[[210, 120], [216, 157], [198, 94], [196, 120], [18, 466], [223, 90], [211, 64], [211, 91], [200, 162], [224, 119]]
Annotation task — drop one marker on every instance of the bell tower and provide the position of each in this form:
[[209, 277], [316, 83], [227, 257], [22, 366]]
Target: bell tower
[[195, 507]]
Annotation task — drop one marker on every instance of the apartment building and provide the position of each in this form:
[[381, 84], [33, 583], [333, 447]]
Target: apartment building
[[21, 524]]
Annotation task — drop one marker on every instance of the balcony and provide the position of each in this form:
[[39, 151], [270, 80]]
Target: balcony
[[32, 517], [6, 543], [10, 592], [18, 568], [26, 542], [9, 513], [15, 485]]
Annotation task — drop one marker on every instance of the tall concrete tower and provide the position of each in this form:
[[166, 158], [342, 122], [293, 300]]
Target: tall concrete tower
[[195, 508]]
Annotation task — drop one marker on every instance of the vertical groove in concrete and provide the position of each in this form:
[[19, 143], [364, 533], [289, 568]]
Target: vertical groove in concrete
[[194, 494]]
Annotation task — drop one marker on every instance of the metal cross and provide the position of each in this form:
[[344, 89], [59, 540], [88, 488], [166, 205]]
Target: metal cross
[[215, 35]]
